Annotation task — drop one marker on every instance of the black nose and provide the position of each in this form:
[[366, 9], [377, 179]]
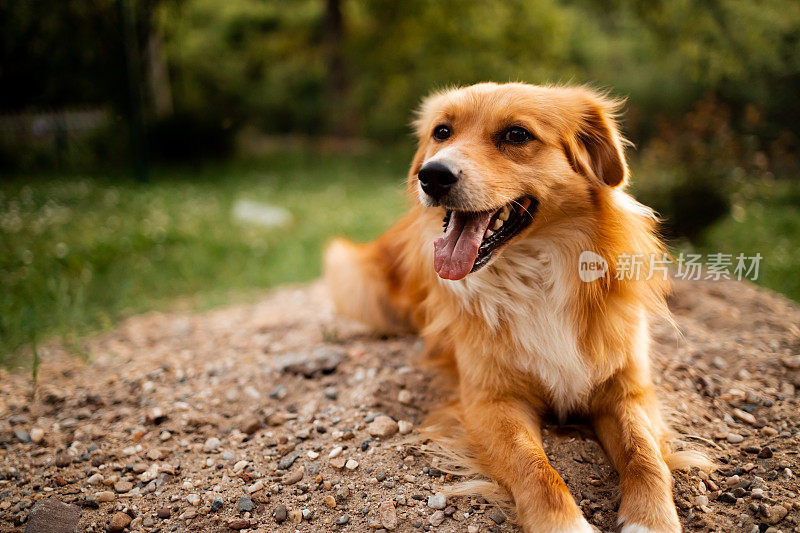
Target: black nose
[[436, 179]]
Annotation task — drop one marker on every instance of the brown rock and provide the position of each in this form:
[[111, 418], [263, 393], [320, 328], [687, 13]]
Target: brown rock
[[119, 521], [776, 514], [50, 515], [338, 462], [330, 501], [63, 459], [239, 523], [383, 427], [387, 515], [792, 363], [250, 425], [123, 486], [293, 477], [164, 513]]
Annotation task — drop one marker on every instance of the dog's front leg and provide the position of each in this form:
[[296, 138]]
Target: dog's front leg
[[628, 424], [506, 435]]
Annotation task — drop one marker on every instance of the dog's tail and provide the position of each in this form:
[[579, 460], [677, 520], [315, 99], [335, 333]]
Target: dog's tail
[[685, 459], [358, 279]]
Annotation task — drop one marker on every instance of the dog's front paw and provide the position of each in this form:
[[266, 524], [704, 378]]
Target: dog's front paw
[[636, 528], [580, 526]]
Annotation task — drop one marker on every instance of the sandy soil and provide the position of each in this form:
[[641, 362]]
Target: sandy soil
[[272, 417]]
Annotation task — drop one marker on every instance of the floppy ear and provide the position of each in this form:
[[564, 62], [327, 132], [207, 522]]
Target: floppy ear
[[595, 148]]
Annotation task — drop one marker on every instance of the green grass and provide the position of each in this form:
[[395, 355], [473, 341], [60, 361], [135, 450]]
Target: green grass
[[765, 219], [79, 253]]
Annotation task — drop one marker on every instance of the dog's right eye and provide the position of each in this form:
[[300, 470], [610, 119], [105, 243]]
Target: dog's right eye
[[441, 133]]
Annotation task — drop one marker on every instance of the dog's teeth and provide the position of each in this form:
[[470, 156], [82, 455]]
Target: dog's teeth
[[488, 234], [497, 224], [504, 213]]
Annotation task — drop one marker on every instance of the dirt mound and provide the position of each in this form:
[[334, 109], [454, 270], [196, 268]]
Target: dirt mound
[[279, 416]]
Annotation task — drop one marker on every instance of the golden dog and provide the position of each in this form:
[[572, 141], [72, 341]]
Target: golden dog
[[525, 179]]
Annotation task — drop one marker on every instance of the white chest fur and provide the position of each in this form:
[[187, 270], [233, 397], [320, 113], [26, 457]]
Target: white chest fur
[[527, 295]]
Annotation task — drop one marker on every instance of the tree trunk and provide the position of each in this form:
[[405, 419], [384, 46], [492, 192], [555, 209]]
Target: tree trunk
[[340, 117]]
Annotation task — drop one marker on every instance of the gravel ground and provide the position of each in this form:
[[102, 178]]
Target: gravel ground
[[278, 416]]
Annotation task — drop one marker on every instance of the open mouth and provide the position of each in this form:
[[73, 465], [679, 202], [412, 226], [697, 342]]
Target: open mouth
[[470, 238]]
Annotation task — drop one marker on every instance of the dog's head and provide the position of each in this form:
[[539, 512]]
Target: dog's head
[[500, 159]]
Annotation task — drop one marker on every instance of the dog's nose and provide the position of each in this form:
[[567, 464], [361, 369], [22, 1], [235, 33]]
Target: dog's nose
[[436, 179]]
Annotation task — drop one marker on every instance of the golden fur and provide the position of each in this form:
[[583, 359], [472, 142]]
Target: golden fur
[[525, 335]]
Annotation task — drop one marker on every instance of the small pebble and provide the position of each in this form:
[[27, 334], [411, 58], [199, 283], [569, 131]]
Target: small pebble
[[119, 521], [404, 397], [436, 518], [279, 514], [37, 435], [383, 427], [296, 516], [387, 515], [336, 452], [239, 524], [104, 496], [123, 486], [293, 477], [351, 464], [744, 416], [245, 505], [250, 426], [437, 501], [211, 445], [734, 438], [497, 516], [217, 504]]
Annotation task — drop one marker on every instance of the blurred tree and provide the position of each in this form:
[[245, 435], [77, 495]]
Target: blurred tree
[[357, 68], [56, 53]]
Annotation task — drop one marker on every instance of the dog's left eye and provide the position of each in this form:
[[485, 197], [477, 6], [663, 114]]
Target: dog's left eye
[[516, 135]]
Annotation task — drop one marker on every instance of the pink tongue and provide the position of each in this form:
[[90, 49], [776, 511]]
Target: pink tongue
[[456, 251]]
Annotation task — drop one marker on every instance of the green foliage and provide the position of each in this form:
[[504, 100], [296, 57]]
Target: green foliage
[[264, 62], [765, 219]]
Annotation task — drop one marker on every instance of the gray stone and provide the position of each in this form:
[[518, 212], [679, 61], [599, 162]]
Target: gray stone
[[323, 360], [245, 504], [288, 460]]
